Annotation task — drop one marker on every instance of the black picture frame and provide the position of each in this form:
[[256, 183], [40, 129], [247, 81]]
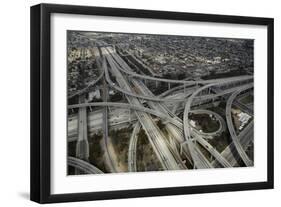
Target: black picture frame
[[40, 102]]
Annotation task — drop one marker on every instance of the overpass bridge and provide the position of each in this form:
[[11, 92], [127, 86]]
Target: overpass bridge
[[132, 85], [231, 129], [83, 166]]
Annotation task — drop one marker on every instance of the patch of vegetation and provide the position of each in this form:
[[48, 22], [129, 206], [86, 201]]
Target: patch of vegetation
[[146, 158], [96, 152], [222, 105], [220, 109], [162, 87], [120, 139], [116, 97], [71, 148], [205, 122], [220, 142], [247, 99]]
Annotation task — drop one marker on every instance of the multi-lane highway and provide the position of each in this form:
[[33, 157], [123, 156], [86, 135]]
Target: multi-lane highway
[[155, 136], [118, 118], [231, 129], [82, 146], [230, 153], [132, 152], [110, 162], [118, 75]]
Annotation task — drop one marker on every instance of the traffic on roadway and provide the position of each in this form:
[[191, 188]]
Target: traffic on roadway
[[178, 139]]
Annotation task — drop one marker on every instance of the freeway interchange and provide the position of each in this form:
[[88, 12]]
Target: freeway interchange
[[179, 142]]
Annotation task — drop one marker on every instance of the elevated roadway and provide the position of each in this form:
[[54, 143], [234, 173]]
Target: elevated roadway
[[230, 153], [166, 154], [83, 166], [231, 129], [154, 134], [198, 160], [84, 90], [82, 145], [106, 138], [132, 153], [133, 74]]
